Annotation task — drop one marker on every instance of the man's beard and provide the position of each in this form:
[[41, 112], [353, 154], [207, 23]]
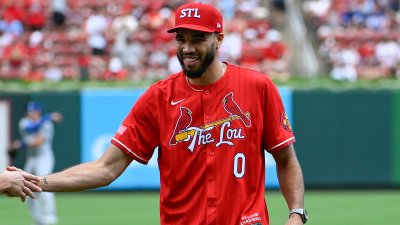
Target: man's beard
[[208, 59]]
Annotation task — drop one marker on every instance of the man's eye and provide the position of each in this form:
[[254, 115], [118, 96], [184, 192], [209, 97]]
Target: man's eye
[[198, 40]]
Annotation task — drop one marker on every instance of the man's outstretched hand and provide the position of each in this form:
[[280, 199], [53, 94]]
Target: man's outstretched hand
[[20, 183]]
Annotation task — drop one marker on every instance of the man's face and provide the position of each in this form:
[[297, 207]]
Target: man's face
[[195, 51], [34, 115]]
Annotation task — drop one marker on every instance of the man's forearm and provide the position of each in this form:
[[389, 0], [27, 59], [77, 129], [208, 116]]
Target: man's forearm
[[291, 183], [78, 178]]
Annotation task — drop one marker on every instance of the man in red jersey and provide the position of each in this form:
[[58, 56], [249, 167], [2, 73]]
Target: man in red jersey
[[212, 123]]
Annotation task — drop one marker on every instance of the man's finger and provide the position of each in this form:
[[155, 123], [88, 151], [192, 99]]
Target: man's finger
[[32, 186], [23, 198], [13, 168], [30, 177], [22, 195], [28, 192]]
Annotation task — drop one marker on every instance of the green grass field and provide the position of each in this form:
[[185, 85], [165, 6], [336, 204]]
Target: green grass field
[[139, 208]]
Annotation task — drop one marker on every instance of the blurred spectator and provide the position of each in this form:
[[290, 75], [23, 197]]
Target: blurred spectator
[[275, 48], [52, 72], [59, 9], [251, 53], [228, 8], [378, 19], [345, 59], [123, 26], [366, 23], [97, 67], [231, 48], [173, 64], [115, 70], [248, 6], [15, 60], [36, 17], [276, 56], [156, 73], [35, 41], [316, 8], [10, 24], [159, 34], [35, 74], [134, 54], [343, 71], [14, 10], [388, 53], [70, 72], [96, 26], [158, 56], [132, 31], [5, 40], [154, 18], [369, 66], [83, 64], [367, 53]]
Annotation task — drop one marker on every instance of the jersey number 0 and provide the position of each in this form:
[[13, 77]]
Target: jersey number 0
[[239, 159]]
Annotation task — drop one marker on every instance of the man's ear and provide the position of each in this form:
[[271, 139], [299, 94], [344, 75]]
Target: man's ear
[[220, 38]]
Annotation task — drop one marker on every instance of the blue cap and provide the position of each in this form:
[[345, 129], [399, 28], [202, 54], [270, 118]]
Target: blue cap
[[34, 106]]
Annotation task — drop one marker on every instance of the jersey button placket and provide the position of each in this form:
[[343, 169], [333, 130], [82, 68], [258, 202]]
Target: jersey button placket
[[211, 203], [208, 102]]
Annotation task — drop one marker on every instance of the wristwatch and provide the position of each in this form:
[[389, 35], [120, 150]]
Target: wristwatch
[[302, 212]]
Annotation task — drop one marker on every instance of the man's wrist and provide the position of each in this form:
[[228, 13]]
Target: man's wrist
[[43, 182], [301, 213], [295, 216]]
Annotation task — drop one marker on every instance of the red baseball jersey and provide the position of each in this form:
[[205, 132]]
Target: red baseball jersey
[[212, 142]]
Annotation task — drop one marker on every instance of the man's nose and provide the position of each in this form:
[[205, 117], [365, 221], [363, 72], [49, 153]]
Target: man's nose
[[188, 48]]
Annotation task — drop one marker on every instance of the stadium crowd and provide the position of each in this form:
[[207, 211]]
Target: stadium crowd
[[358, 39], [123, 39]]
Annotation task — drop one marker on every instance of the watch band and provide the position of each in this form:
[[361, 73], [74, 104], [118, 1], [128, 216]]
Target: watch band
[[302, 212]]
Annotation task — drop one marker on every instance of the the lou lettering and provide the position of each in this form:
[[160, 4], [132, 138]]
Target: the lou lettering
[[227, 134]]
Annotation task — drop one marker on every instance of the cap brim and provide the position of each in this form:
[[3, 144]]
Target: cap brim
[[191, 27]]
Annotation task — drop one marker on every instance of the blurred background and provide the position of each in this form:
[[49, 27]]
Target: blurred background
[[44, 40], [336, 63]]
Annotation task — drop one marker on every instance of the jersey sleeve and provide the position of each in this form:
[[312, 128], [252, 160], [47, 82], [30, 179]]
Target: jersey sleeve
[[277, 130], [138, 135]]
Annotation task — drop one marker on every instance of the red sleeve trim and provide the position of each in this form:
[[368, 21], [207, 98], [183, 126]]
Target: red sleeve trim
[[128, 151], [282, 144]]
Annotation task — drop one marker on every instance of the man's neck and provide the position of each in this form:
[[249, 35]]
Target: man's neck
[[214, 72]]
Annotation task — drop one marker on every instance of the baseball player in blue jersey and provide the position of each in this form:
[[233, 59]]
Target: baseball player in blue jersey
[[37, 133]]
